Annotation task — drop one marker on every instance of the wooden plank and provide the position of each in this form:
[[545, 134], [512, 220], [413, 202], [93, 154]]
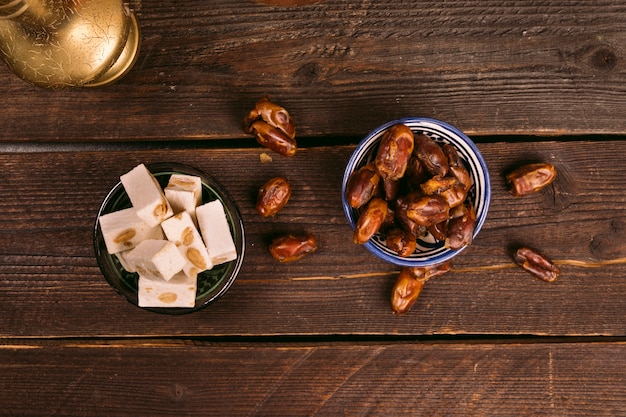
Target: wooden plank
[[49, 275], [157, 379], [342, 68]]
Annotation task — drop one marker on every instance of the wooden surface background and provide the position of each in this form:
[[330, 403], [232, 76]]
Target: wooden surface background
[[528, 80], [343, 68], [340, 290]]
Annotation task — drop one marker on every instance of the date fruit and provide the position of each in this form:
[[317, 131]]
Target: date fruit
[[431, 155], [461, 227], [273, 196], [370, 220], [427, 210], [530, 178], [406, 291], [424, 273], [448, 187], [394, 151], [410, 283], [272, 127], [456, 166], [362, 185], [400, 216], [536, 264], [401, 242], [289, 248]]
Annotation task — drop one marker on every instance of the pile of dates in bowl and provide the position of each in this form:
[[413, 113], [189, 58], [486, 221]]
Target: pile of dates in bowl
[[416, 191]]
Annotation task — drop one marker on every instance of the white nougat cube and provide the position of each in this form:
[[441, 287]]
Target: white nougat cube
[[123, 230], [146, 195], [184, 193], [215, 232], [181, 230], [180, 291], [156, 259], [121, 256]]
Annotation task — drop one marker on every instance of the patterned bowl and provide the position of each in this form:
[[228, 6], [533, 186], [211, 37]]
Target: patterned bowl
[[429, 251]]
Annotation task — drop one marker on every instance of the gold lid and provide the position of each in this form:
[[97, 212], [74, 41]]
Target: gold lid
[[58, 44]]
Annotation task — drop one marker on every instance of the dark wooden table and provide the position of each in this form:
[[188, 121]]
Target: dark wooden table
[[527, 80]]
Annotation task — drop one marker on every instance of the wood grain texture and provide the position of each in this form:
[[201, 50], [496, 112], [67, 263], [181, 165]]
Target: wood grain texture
[[157, 379], [48, 274], [342, 68]]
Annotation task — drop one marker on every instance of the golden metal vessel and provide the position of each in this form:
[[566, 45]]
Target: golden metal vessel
[[68, 43]]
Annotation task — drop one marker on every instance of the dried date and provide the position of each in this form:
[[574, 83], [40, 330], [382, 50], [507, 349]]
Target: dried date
[[273, 196], [401, 242], [406, 291], [456, 166], [370, 220], [400, 215], [427, 210], [448, 187], [439, 230], [273, 138], [391, 188], [461, 227], [530, 178], [536, 264], [410, 282], [415, 173], [289, 248], [272, 114], [272, 127], [431, 155], [362, 185], [424, 273], [394, 151]]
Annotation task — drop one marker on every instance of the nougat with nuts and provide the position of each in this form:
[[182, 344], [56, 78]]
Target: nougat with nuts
[[122, 230], [157, 259], [184, 193], [179, 291], [146, 195], [181, 230], [215, 231]]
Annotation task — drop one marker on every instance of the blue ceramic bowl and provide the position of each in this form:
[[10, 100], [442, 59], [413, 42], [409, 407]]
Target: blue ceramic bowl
[[429, 251]]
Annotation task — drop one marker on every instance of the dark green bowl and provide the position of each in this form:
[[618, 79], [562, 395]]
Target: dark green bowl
[[212, 284]]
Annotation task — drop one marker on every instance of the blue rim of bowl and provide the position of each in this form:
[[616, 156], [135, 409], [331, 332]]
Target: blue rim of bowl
[[440, 132], [212, 284]]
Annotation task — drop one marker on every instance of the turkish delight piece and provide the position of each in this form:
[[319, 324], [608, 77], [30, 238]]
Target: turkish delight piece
[[156, 259], [216, 232], [184, 193], [179, 291], [181, 230], [123, 230], [146, 195], [121, 257]]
